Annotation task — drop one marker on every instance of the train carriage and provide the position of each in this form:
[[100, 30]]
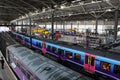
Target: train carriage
[[22, 39], [93, 61], [30, 66]]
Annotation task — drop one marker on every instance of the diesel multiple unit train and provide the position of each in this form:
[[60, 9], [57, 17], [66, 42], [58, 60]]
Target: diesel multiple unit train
[[93, 61], [30, 66]]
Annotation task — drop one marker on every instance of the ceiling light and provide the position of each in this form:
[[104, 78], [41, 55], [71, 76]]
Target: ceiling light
[[43, 10], [107, 0], [62, 6], [109, 10], [92, 1], [69, 14], [106, 19], [55, 6]]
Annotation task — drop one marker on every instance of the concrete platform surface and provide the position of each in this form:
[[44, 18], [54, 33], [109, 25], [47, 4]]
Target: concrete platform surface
[[6, 73]]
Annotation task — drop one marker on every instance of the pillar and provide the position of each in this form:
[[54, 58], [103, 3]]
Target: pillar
[[116, 24], [52, 22], [96, 26]]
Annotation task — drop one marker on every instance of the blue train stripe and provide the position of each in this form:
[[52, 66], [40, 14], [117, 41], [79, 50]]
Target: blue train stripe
[[75, 63]]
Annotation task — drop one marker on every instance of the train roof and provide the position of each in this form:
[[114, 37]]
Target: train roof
[[86, 50], [43, 67]]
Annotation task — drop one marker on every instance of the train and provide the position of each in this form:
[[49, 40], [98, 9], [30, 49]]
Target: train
[[31, 66], [92, 61]]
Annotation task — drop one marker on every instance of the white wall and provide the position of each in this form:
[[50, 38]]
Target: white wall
[[83, 25]]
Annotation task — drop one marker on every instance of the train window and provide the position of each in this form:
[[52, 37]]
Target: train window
[[105, 66], [117, 69], [26, 40], [86, 59], [77, 57], [60, 51], [43, 45], [89, 60], [69, 54], [54, 49], [92, 61], [37, 43], [48, 48], [20, 37]]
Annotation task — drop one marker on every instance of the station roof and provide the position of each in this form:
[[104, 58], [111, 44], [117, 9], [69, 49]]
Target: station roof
[[63, 9]]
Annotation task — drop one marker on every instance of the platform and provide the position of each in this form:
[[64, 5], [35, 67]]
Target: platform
[[115, 50], [6, 73]]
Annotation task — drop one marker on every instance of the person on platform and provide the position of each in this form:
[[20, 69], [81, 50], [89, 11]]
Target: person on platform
[[2, 63], [87, 41]]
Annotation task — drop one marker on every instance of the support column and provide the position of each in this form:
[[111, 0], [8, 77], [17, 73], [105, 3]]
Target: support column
[[22, 27], [56, 25], [45, 25], [52, 21], [64, 26], [96, 26], [78, 26], [34, 24], [116, 24], [17, 27], [71, 26], [30, 32], [17, 22]]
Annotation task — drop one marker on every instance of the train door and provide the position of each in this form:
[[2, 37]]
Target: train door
[[44, 47], [89, 63]]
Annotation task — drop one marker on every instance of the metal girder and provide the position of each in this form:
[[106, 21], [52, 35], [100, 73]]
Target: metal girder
[[29, 4], [111, 3], [25, 6], [10, 9]]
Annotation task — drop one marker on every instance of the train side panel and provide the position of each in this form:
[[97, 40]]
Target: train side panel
[[37, 43], [26, 40], [52, 49], [105, 66], [12, 59]]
